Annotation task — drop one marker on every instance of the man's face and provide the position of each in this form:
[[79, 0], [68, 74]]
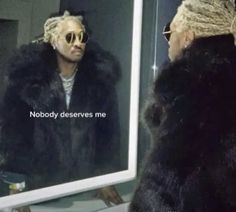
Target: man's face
[[176, 42], [68, 45]]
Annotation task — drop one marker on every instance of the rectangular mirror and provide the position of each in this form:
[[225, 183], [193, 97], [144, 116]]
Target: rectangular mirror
[[117, 32]]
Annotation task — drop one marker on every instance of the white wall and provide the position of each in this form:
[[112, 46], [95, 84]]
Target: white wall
[[30, 14], [41, 9], [18, 10]]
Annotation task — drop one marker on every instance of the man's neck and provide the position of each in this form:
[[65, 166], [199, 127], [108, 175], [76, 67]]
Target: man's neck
[[66, 68]]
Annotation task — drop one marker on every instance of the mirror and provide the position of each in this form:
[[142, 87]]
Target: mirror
[[108, 28]]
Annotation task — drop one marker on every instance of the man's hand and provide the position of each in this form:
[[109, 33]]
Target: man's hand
[[22, 209], [109, 195]]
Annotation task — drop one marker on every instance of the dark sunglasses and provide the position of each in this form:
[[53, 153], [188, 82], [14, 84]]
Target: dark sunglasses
[[71, 37], [166, 31]]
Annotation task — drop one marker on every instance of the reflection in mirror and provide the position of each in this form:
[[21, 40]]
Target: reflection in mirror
[[64, 113], [60, 119]]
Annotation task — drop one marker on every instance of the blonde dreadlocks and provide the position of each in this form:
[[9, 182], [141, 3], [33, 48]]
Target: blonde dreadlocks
[[51, 26], [207, 17]]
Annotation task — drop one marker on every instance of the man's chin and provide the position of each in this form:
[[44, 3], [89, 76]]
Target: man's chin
[[77, 58], [72, 58], [173, 57]]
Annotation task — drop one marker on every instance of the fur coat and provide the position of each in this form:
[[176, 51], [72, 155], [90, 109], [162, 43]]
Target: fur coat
[[192, 119], [48, 150]]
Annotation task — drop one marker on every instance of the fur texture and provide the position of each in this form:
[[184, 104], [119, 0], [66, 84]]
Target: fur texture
[[192, 119], [47, 150]]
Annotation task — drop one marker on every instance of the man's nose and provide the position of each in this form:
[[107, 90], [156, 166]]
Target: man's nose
[[77, 42]]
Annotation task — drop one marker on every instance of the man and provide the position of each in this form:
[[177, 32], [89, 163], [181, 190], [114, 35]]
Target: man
[[191, 115], [53, 131]]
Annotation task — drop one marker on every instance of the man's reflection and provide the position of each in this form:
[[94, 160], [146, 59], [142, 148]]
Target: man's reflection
[[60, 119]]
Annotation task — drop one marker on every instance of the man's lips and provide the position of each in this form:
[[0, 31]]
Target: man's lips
[[77, 51]]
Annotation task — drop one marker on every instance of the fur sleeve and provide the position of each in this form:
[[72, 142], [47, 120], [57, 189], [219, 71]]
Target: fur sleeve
[[191, 116]]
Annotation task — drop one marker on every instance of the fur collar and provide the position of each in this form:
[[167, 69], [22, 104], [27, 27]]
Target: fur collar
[[32, 74], [38, 61], [192, 117], [198, 89]]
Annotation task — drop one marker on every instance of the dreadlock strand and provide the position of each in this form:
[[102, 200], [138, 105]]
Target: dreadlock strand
[[51, 25], [207, 17]]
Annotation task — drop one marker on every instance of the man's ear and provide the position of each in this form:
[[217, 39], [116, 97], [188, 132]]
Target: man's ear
[[189, 36], [53, 42]]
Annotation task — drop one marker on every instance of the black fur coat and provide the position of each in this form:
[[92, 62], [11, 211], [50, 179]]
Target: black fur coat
[[192, 119], [48, 150]]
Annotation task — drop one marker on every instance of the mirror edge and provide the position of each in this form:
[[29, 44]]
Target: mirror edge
[[57, 191]]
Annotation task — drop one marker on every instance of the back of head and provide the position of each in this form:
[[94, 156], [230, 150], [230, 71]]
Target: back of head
[[207, 17]]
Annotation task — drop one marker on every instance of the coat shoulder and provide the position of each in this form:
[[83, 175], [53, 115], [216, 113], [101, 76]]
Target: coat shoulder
[[192, 119], [28, 62], [102, 65]]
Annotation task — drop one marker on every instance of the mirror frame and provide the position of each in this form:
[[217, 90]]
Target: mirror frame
[[66, 189]]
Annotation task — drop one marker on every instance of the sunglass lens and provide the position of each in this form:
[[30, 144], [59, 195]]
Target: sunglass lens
[[166, 31], [70, 37], [83, 37], [167, 36], [167, 27]]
